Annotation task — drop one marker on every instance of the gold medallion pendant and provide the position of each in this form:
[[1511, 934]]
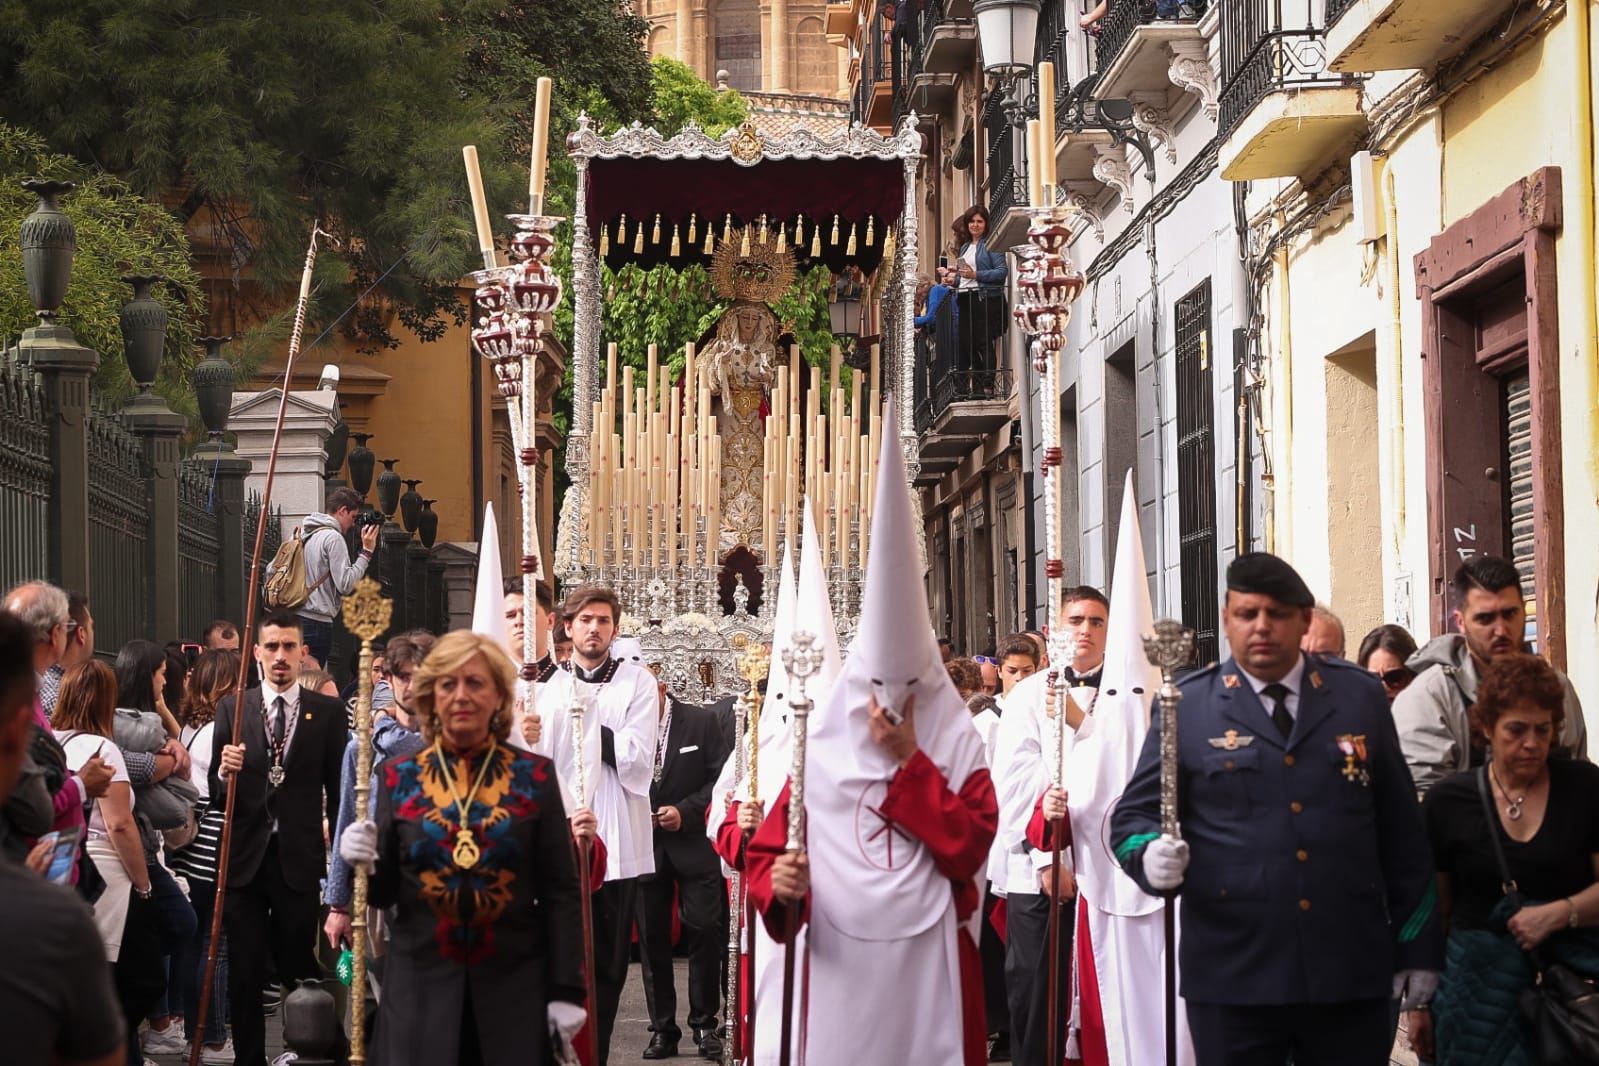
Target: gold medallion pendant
[[466, 852]]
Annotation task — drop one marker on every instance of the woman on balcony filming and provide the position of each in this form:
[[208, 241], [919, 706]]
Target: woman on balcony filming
[[979, 301]]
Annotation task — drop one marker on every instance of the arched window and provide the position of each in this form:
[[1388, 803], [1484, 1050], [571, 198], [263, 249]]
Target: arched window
[[738, 43]]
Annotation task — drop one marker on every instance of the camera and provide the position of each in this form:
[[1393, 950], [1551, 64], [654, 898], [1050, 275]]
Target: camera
[[368, 518]]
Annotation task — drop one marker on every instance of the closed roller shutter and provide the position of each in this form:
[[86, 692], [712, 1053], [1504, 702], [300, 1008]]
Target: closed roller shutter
[[1518, 455]]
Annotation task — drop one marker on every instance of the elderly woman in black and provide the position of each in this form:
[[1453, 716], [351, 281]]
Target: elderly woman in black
[[1545, 814], [472, 851]]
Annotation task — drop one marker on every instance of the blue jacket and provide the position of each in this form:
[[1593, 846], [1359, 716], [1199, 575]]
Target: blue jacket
[[1310, 879], [389, 739], [990, 267], [935, 296]]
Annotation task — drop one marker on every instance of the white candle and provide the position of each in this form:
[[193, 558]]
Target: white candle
[[541, 142], [480, 204]]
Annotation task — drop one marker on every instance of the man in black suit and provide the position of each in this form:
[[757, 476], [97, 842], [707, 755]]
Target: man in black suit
[[690, 749], [288, 759]]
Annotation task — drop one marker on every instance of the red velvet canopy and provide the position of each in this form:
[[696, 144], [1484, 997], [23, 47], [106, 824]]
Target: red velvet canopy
[[786, 191]]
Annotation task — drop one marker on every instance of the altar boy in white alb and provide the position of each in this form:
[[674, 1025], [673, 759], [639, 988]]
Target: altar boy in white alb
[[619, 698], [900, 814]]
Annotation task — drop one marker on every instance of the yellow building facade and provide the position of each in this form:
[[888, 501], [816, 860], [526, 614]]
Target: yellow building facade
[[1419, 202]]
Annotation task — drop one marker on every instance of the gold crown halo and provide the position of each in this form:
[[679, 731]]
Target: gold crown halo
[[761, 275]]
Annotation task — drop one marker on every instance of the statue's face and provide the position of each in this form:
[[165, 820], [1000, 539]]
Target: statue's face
[[749, 322]]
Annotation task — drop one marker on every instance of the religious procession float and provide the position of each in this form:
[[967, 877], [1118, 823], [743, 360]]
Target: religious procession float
[[689, 480]]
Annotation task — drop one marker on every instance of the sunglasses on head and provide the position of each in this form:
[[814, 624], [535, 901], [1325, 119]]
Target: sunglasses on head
[[990, 660]]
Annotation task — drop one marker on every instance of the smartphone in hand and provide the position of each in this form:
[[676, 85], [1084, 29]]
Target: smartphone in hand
[[64, 855]]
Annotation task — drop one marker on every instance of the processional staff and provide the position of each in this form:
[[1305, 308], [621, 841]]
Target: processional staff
[[584, 873], [1171, 646], [252, 587], [803, 660], [753, 666], [366, 614]]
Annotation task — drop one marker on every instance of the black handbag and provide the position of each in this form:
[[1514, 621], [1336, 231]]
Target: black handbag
[[1562, 1009]]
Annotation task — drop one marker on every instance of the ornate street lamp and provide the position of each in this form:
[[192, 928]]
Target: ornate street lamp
[[1007, 34]]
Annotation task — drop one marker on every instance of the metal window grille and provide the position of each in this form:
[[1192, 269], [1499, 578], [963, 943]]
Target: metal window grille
[[1196, 471]]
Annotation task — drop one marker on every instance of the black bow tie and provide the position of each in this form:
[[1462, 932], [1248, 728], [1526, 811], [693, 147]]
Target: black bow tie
[[1089, 680]]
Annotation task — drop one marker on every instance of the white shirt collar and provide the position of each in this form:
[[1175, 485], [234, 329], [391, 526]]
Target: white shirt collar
[[1292, 681], [291, 697]]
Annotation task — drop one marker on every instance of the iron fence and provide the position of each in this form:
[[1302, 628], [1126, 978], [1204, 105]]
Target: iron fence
[[119, 534], [199, 551], [24, 477]]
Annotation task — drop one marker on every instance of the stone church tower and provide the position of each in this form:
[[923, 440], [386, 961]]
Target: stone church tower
[[766, 46]]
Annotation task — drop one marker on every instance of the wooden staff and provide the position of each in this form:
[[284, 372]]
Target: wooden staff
[[251, 588], [802, 659], [366, 614], [585, 879]]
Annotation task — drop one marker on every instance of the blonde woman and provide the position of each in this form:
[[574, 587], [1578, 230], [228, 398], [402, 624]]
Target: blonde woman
[[471, 848]]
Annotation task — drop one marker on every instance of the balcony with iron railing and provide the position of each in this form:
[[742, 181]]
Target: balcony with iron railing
[[1007, 176], [962, 386], [1282, 114], [934, 48], [1138, 42], [872, 99], [1370, 35]]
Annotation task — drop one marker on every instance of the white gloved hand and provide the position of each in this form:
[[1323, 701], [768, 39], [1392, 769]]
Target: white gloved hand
[[1165, 862], [358, 845], [566, 1019], [1415, 988]]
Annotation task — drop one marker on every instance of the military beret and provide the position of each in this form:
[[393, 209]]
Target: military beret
[[1263, 574]]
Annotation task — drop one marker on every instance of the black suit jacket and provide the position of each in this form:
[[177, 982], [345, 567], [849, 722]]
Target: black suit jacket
[[312, 767], [696, 747]]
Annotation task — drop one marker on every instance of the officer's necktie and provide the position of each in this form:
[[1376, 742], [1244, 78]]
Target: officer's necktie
[[277, 723], [1278, 694]]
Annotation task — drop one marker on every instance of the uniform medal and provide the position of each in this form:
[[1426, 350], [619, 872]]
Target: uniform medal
[[276, 775]]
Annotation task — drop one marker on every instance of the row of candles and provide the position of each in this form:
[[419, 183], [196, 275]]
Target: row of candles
[[656, 464]]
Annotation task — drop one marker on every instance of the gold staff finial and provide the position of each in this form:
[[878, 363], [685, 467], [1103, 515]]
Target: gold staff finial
[[366, 611]]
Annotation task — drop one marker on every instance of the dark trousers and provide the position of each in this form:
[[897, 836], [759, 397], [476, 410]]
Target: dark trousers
[[1314, 1034], [266, 920], [701, 901], [1027, 974], [613, 938], [992, 951], [189, 969], [318, 637]]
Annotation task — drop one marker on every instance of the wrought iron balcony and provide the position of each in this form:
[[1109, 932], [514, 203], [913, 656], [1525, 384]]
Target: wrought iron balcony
[[1335, 8], [963, 390], [1283, 113], [929, 54], [1124, 18], [1279, 61]]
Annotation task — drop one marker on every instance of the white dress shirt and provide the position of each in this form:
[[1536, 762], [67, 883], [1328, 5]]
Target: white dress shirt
[[1292, 681]]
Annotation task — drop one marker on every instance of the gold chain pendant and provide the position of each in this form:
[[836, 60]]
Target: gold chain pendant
[[466, 852]]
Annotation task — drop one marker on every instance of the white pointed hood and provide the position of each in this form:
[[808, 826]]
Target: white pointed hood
[[488, 600], [813, 611], [874, 882], [1108, 744], [772, 736]]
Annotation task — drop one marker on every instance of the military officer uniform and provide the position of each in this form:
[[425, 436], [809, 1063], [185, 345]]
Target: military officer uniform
[[1309, 884]]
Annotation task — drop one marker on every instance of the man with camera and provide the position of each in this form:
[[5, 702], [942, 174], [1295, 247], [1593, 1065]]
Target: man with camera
[[330, 573]]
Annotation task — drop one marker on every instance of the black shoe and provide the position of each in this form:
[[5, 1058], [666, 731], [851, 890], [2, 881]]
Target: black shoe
[[999, 1048], [661, 1047], [710, 1044]]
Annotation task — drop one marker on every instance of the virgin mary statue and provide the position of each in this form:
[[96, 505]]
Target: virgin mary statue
[[739, 365]]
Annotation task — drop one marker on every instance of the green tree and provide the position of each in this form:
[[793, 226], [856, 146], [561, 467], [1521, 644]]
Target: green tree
[[268, 116], [681, 96], [118, 233]]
